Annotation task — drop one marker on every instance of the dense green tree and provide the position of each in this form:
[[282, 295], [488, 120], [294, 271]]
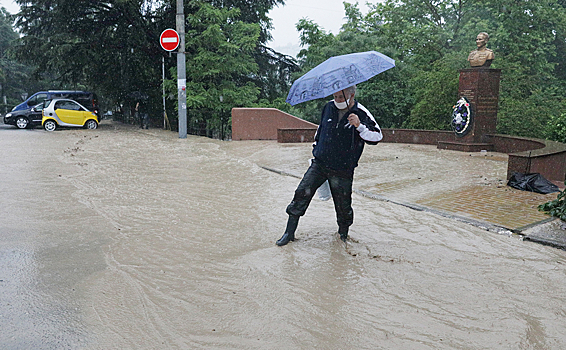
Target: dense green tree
[[428, 38], [108, 47], [384, 95], [15, 78], [112, 48], [219, 56], [430, 42], [274, 69], [7, 36], [531, 88]]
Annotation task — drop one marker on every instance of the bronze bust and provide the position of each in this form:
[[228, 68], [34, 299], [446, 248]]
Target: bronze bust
[[482, 56]]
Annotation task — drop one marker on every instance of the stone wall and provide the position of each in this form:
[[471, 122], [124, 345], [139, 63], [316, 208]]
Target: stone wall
[[513, 144], [526, 155], [285, 135], [425, 137], [262, 123]]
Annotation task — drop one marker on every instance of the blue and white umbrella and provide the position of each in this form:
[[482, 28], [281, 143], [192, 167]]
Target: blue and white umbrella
[[338, 73]]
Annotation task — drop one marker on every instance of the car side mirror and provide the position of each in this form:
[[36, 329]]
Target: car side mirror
[[33, 109]]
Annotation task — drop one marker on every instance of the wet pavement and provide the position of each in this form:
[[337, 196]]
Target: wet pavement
[[469, 187], [121, 238], [466, 186]]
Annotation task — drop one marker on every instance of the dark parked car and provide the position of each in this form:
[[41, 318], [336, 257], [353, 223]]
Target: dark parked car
[[85, 98], [25, 118]]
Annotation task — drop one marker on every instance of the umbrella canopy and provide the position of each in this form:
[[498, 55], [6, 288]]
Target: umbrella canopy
[[338, 73]]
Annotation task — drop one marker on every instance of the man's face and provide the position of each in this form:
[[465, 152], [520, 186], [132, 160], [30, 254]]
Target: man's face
[[481, 40], [339, 96]]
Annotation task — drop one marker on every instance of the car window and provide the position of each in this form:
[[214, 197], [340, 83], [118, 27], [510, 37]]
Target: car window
[[38, 107], [37, 99], [69, 105], [82, 100]]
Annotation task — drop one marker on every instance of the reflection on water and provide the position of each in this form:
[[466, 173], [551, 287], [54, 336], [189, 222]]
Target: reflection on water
[[187, 230]]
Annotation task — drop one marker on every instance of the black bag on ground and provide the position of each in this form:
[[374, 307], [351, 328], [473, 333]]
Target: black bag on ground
[[532, 182]]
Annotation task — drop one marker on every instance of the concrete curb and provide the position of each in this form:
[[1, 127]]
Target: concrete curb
[[551, 232]]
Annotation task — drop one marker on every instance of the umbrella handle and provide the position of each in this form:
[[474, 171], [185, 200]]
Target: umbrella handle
[[353, 138], [353, 130], [348, 112]]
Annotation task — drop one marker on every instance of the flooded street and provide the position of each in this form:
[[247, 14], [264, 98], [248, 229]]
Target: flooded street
[[121, 238]]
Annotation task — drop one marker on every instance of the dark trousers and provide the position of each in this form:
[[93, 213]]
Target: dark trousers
[[340, 187], [144, 120]]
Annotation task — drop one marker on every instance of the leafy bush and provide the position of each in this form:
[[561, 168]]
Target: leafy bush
[[557, 207], [556, 128]]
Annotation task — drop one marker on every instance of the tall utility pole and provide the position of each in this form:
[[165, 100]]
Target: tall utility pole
[[163, 90], [181, 71]]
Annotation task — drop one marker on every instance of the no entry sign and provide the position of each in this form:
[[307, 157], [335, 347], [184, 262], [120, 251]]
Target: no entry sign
[[169, 39]]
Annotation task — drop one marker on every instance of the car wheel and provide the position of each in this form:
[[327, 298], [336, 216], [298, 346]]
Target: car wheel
[[22, 122], [50, 125], [91, 124]]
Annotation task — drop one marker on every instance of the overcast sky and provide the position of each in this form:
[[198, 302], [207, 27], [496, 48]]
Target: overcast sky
[[329, 14], [10, 5]]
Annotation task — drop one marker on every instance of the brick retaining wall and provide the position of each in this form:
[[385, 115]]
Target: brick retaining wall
[[526, 155], [512, 144], [262, 123], [285, 135], [424, 137], [529, 155]]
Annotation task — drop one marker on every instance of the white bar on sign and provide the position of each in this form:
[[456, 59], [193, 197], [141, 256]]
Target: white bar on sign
[[169, 40]]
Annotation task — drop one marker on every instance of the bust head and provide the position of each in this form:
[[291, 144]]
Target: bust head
[[481, 40], [482, 56]]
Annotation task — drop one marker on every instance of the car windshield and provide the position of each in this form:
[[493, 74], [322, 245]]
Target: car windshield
[[39, 98]]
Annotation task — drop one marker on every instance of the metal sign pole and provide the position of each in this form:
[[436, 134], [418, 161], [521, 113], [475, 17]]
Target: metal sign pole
[[181, 72], [163, 90]]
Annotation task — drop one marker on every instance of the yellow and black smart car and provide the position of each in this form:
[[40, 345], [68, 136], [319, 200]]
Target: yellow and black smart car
[[67, 113]]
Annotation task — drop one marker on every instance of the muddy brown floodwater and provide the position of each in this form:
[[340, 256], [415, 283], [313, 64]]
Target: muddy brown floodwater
[[120, 238]]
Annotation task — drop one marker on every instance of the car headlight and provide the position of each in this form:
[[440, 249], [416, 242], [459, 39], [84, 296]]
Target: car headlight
[[9, 115]]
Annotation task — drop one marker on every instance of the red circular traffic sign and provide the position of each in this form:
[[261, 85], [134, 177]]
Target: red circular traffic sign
[[169, 39]]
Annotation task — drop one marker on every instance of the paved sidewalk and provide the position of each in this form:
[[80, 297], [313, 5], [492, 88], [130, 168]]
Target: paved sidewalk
[[469, 187], [502, 206]]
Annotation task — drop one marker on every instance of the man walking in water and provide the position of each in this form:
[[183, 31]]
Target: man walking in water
[[345, 126]]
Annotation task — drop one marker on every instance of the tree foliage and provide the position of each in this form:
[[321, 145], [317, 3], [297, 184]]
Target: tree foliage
[[219, 50], [14, 76], [430, 42], [112, 48]]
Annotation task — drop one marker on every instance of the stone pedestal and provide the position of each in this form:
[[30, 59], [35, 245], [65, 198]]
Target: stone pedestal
[[481, 87]]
